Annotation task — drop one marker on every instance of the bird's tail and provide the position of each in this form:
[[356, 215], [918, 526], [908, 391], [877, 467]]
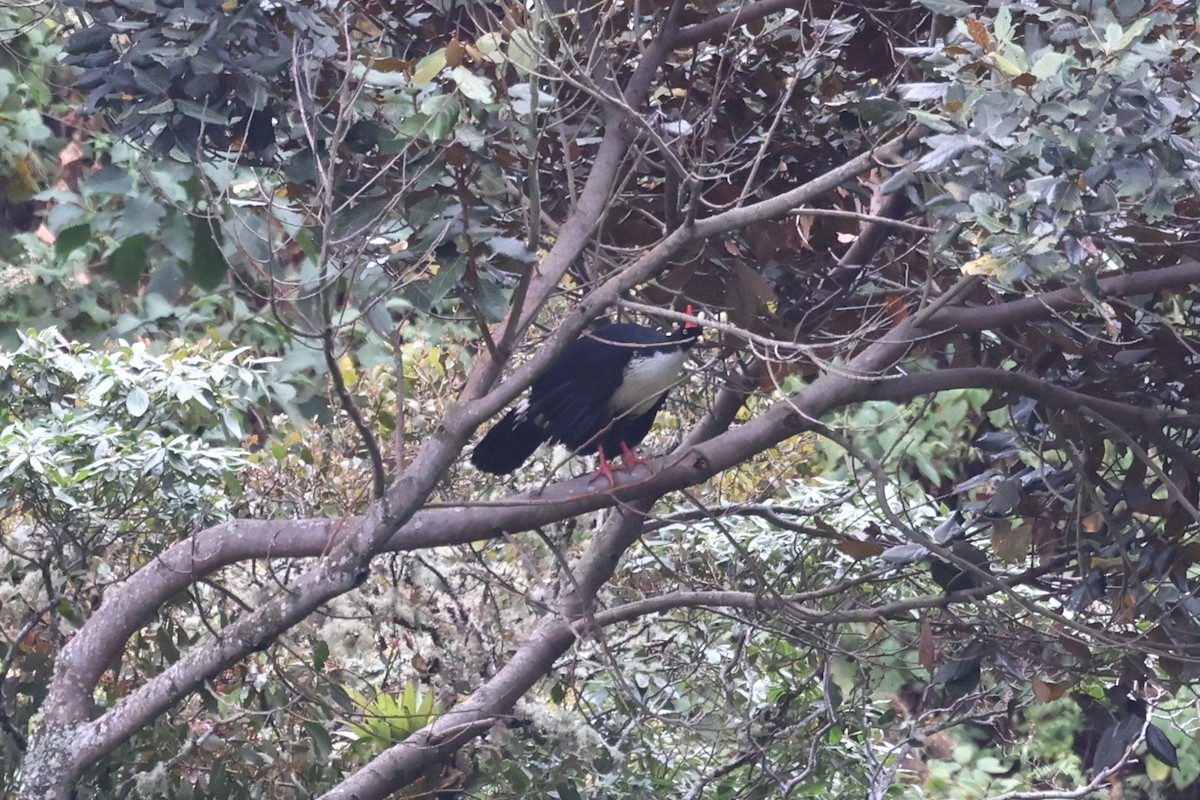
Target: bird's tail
[[506, 446]]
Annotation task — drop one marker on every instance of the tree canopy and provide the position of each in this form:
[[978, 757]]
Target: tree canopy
[[925, 518]]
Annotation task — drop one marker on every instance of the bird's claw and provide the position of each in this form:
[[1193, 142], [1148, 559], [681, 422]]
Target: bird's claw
[[632, 460]]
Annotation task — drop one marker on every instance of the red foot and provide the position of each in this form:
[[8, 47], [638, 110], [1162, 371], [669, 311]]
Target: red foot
[[631, 458], [605, 469]]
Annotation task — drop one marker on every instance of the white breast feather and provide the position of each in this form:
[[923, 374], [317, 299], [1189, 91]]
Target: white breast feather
[[645, 381]]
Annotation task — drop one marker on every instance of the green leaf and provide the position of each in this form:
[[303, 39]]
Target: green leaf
[[413, 126], [443, 116], [944, 148], [522, 51], [428, 67], [1136, 30], [208, 266], [318, 736], [511, 248], [201, 112], [71, 239], [444, 282], [89, 40], [934, 122], [1049, 65], [490, 299], [128, 261], [306, 242], [473, 86], [320, 655], [141, 214], [1002, 27], [137, 402], [1133, 177], [71, 613], [109, 180], [948, 8]]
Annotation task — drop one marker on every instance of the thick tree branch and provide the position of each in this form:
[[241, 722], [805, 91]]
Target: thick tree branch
[[552, 636], [691, 463], [79, 664], [905, 387], [130, 606], [967, 318], [656, 259], [721, 25], [351, 546]]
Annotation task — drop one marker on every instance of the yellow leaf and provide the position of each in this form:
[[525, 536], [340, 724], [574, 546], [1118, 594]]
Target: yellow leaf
[[1011, 544], [489, 46], [1005, 65], [346, 367], [988, 266], [430, 66], [522, 51], [1156, 770]]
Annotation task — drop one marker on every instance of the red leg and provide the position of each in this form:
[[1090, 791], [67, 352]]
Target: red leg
[[605, 468], [631, 458]]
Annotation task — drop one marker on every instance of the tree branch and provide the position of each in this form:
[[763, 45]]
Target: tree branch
[[906, 387], [128, 607], [721, 25], [965, 319], [403, 763]]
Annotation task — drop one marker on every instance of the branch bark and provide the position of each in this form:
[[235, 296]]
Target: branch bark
[[906, 387], [967, 318], [721, 25]]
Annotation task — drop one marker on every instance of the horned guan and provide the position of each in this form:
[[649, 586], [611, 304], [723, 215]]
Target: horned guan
[[600, 396]]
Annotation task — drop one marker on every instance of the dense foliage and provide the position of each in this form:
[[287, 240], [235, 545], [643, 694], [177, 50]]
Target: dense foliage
[[931, 530]]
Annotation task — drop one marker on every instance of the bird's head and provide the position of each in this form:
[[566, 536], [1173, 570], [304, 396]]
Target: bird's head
[[689, 330]]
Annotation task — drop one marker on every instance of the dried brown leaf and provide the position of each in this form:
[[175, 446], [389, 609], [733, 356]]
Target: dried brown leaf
[[926, 650]]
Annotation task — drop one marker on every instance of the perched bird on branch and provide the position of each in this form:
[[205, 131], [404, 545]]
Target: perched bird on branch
[[600, 396]]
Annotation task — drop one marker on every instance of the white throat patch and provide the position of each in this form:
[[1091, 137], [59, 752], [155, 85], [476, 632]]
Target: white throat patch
[[645, 381]]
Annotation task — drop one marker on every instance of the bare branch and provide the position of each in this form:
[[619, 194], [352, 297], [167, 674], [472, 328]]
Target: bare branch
[[719, 26], [968, 318], [905, 387]]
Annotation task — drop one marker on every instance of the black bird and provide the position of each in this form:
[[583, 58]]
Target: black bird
[[600, 396]]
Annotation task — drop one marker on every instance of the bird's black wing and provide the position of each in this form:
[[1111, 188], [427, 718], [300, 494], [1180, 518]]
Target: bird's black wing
[[571, 398]]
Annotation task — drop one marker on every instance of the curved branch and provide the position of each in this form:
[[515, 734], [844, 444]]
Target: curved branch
[[906, 387], [967, 319], [749, 601], [721, 25], [394, 524], [403, 763], [346, 401], [130, 606]]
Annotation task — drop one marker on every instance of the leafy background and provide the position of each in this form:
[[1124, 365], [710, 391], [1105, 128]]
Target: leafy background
[[270, 233]]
